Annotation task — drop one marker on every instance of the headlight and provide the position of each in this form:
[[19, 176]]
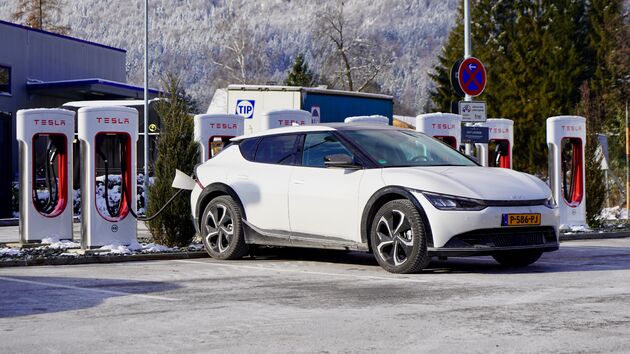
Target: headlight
[[551, 203], [449, 202]]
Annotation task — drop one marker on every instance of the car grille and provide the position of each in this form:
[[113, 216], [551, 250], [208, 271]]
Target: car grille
[[504, 237]]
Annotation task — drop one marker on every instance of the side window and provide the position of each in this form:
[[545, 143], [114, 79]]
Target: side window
[[248, 148], [5, 80], [279, 149], [319, 145]]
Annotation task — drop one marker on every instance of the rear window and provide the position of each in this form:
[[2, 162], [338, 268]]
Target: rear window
[[279, 149], [248, 148]]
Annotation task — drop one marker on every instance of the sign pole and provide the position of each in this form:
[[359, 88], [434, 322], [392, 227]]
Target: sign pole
[[145, 182], [467, 54], [627, 164]]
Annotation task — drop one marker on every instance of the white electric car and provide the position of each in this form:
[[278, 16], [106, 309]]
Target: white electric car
[[395, 192]]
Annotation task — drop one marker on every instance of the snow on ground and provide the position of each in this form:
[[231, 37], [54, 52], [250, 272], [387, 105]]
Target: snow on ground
[[55, 243], [11, 252], [614, 213]]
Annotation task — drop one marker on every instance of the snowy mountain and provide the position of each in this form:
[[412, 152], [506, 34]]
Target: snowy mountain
[[186, 35]]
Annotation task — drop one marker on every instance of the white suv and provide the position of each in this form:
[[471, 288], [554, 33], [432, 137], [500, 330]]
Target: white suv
[[395, 192]]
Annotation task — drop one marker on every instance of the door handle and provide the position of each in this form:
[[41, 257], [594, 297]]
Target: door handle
[[298, 181]]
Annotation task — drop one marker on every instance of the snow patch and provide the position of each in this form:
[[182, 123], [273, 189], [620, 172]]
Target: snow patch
[[6, 251], [57, 244]]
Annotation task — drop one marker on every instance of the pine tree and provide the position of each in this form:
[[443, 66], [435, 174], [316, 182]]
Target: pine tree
[[532, 52], [299, 75], [176, 150], [38, 14]]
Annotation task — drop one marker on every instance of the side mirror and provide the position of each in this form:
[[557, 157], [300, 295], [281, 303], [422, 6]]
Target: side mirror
[[340, 160]]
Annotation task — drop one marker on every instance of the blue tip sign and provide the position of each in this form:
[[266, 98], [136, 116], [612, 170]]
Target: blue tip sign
[[471, 76]]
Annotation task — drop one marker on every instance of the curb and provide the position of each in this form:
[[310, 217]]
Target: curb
[[594, 236], [102, 259]]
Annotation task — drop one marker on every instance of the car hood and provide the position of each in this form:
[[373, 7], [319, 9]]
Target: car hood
[[487, 183]]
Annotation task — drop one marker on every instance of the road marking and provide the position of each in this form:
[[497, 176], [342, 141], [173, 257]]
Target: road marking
[[355, 276], [102, 291]]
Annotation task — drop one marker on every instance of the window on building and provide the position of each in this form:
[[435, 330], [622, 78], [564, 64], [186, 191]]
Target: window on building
[[5, 80]]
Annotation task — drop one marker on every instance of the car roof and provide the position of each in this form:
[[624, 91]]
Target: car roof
[[317, 128]]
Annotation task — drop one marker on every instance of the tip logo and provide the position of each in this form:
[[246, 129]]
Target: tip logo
[[245, 108]]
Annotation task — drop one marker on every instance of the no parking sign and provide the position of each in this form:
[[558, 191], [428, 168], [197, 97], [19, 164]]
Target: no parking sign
[[471, 76]]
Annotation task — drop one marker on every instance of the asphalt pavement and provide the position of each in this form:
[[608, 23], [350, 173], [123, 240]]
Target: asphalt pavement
[[573, 300]]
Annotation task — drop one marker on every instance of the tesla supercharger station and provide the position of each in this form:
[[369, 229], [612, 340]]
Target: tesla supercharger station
[[566, 138], [375, 119], [45, 139], [213, 131], [446, 127], [498, 151], [285, 118], [108, 137]]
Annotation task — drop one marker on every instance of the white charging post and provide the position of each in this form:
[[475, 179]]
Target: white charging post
[[446, 127], [108, 137], [566, 138], [375, 119], [213, 131], [45, 142], [498, 151], [284, 118]]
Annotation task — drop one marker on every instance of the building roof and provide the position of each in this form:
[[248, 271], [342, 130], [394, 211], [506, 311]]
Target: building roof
[[89, 89], [61, 36], [317, 90]]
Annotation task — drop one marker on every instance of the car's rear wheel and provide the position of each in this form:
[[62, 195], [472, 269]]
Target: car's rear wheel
[[398, 238], [221, 225], [517, 258]]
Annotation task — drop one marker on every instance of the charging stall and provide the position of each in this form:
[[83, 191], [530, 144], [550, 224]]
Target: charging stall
[[108, 137], [566, 138], [214, 131], [45, 141], [446, 127], [285, 118], [498, 151], [375, 119]]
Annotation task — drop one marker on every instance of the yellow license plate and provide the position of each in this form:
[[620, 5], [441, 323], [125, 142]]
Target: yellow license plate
[[520, 219]]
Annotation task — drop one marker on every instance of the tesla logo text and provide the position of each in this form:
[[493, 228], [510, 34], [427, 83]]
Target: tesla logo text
[[571, 128], [223, 125], [56, 122], [290, 122], [500, 130], [112, 120], [443, 126]]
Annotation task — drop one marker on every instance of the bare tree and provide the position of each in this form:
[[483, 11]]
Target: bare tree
[[357, 59], [38, 14], [241, 57]]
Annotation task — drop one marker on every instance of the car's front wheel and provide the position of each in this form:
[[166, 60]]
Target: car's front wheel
[[517, 258], [398, 238], [221, 225]]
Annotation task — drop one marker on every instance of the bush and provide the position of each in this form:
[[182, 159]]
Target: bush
[[176, 150]]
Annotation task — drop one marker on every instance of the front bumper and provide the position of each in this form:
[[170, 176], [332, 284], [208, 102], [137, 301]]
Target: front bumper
[[480, 232]]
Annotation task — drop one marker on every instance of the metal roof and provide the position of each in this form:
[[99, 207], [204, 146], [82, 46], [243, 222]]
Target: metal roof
[[61, 36], [318, 90], [93, 88]]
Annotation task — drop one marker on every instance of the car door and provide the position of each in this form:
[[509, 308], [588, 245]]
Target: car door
[[262, 181], [323, 201]]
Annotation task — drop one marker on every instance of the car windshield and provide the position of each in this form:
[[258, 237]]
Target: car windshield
[[405, 148]]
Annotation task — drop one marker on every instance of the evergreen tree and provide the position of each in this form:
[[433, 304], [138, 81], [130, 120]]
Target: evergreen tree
[[299, 75], [176, 150], [532, 52], [38, 14]]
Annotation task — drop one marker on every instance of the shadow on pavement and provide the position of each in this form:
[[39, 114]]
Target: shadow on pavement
[[567, 259], [27, 295]]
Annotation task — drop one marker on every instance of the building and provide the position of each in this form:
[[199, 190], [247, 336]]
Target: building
[[40, 69]]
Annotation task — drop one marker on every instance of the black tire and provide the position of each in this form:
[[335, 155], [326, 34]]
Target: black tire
[[222, 229], [517, 258], [398, 238]]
